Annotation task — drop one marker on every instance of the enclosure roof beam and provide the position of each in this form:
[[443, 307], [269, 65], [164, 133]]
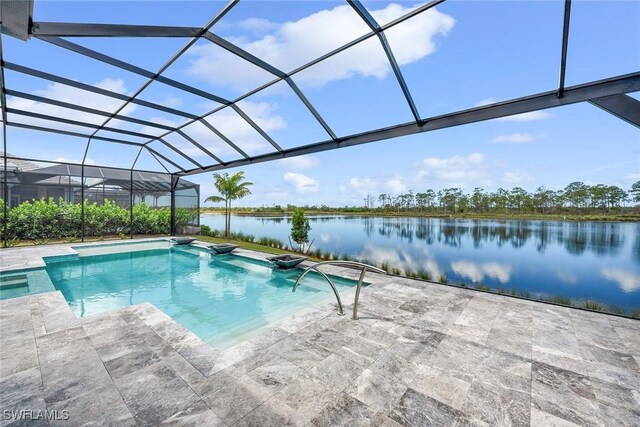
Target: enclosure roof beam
[[173, 59], [585, 92], [622, 106], [83, 86], [74, 122], [3, 95], [236, 50], [118, 117], [373, 24], [3, 116], [156, 76], [75, 107], [69, 133], [157, 159], [319, 59], [224, 138], [86, 166], [194, 142], [133, 165], [155, 153], [180, 152], [256, 127], [71, 29], [16, 17], [65, 44], [565, 46]]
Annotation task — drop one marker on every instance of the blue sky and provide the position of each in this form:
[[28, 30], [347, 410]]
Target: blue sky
[[460, 55]]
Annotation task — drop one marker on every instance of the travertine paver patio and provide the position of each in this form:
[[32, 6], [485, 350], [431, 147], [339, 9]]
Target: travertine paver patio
[[421, 354]]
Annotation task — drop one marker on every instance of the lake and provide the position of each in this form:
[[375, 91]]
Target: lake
[[581, 260]]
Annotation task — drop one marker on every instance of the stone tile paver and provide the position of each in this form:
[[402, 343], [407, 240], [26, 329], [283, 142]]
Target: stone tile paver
[[421, 354]]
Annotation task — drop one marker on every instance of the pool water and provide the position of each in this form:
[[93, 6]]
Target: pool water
[[217, 297]]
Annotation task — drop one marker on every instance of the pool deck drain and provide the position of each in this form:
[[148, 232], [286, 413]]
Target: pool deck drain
[[421, 354]]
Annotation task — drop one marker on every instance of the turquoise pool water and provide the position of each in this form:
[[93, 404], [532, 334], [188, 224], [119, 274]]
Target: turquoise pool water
[[37, 281], [217, 297]]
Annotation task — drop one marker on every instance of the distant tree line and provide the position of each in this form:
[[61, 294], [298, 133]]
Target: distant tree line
[[576, 197]]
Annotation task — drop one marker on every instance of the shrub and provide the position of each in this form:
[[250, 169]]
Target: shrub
[[443, 279], [424, 275], [300, 228], [205, 230], [242, 237], [269, 241], [559, 299], [46, 219], [593, 305]]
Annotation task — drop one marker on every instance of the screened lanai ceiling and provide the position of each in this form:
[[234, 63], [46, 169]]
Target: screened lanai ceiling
[[113, 85]]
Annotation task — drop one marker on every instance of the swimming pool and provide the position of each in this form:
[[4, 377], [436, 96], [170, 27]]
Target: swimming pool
[[217, 297]]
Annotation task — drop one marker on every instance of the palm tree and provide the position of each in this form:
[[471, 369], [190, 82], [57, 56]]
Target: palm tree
[[230, 188]]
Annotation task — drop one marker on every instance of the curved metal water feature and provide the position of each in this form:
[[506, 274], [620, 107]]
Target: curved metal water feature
[[362, 266]]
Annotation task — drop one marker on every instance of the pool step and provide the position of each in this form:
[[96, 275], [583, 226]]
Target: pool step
[[14, 281], [247, 266]]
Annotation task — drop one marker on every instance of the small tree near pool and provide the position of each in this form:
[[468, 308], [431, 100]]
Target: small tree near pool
[[300, 228], [232, 187]]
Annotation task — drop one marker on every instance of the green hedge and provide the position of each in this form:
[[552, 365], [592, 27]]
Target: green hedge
[[48, 219]]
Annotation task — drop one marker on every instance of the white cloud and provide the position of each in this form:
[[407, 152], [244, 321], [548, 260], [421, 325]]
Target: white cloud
[[302, 183], [517, 178], [469, 270], [497, 271], [293, 43], [172, 102], [526, 117], [567, 277], [374, 185], [361, 186], [258, 25], [456, 170], [396, 185], [477, 272], [300, 162], [417, 259], [455, 162], [515, 138], [628, 281]]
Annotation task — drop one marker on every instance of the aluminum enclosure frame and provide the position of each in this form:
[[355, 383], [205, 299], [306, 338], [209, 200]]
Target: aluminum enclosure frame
[[16, 20]]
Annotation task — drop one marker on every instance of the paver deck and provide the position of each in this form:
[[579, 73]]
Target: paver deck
[[420, 354]]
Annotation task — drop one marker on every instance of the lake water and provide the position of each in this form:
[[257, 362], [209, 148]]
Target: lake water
[[581, 260]]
